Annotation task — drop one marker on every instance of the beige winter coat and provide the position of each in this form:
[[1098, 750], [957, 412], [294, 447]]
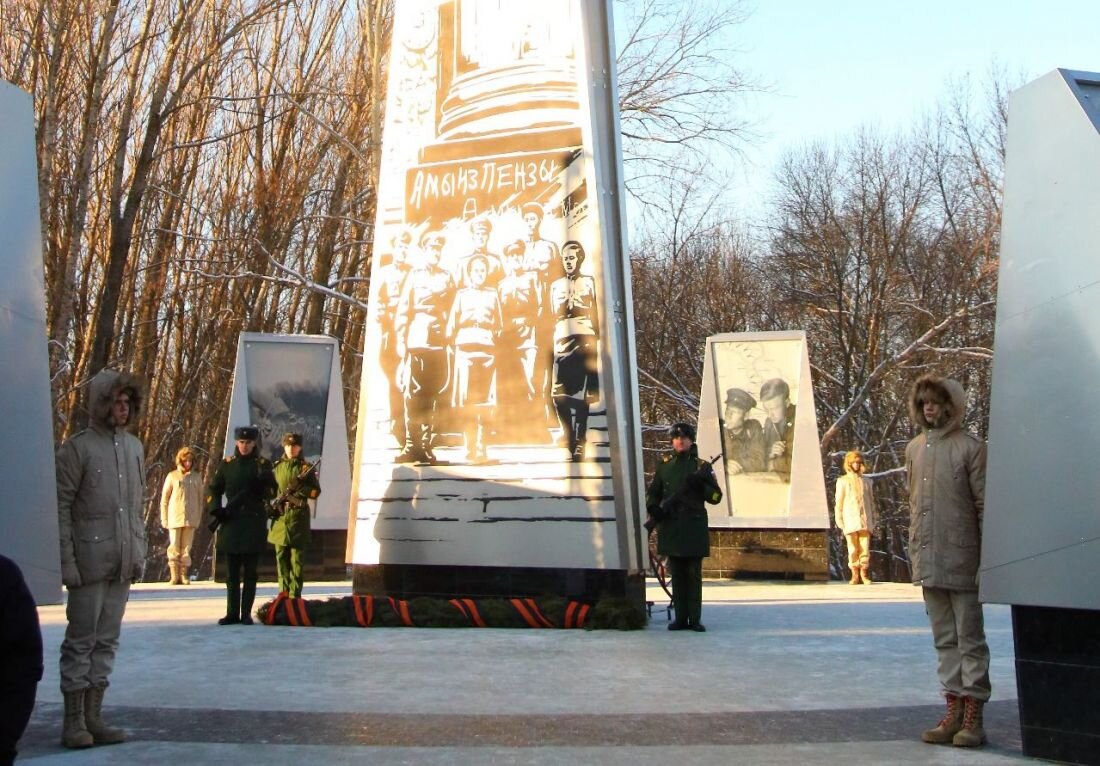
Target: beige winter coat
[[100, 489], [854, 508], [181, 499], [946, 468]]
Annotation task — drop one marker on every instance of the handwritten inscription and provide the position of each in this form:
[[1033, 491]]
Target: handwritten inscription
[[440, 189]]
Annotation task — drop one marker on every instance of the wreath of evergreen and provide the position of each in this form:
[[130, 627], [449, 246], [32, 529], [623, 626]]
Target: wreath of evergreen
[[423, 612]]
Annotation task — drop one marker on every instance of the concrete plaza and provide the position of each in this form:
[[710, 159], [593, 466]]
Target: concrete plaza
[[786, 674]]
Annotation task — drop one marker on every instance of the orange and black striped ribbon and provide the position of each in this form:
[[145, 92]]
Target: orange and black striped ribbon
[[364, 610], [530, 613], [458, 605], [582, 614], [401, 608], [270, 618], [570, 611], [475, 615], [303, 612]]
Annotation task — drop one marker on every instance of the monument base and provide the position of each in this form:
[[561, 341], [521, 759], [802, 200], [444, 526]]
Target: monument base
[[768, 554], [1058, 682], [412, 580], [324, 560]]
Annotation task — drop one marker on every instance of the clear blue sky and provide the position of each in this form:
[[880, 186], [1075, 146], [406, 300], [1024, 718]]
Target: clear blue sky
[[837, 66]]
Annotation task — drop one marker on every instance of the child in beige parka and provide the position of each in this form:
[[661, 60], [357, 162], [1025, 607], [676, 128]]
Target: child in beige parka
[[855, 515]]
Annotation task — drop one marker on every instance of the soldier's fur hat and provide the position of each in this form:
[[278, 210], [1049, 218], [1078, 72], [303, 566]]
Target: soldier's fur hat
[[252, 433], [682, 429]]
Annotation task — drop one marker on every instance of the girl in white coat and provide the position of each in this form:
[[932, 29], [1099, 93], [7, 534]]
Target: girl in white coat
[[855, 515], [181, 510]]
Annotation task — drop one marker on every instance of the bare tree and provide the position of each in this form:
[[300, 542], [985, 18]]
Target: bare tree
[[681, 90]]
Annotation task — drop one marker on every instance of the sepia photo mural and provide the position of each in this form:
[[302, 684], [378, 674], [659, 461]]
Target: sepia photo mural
[[497, 412], [756, 411]]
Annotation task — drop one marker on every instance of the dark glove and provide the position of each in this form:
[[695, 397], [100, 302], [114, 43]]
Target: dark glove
[[217, 516]]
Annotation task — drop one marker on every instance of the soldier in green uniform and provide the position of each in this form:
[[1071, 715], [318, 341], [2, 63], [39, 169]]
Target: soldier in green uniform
[[245, 478], [290, 532], [675, 500]]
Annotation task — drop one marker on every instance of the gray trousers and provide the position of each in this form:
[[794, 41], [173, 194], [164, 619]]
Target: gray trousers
[[91, 638], [958, 631]]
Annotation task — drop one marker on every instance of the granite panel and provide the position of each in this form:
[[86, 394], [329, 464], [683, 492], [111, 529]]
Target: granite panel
[[409, 581], [1061, 746], [1057, 635]]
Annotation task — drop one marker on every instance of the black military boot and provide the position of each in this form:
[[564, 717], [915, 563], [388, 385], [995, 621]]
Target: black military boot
[[232, 605], [248, 598]]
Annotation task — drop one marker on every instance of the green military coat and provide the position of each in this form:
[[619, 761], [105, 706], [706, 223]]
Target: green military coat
[[292, 527], [685, 533], [245, 531]]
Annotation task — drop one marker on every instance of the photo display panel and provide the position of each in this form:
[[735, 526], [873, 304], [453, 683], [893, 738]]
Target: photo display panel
[[288, 392], [483, 434], [756, 415]]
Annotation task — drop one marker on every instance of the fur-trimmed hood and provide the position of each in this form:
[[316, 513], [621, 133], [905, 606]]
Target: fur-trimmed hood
[[105, 386], [946, 389]]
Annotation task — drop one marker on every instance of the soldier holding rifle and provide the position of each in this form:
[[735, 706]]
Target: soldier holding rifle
[[247, 480], [290, 534], [675, 502]]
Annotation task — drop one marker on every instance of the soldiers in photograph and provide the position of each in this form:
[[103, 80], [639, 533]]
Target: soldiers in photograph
[[480, 231], [391, 277], [181, 509], [775, 398], [421, 327], [544, 261], [541, 254], [521, 301], [474, 327], [101, 521], [675, 501], [576, 335], [742, 436], [246, 481], [290, 533]]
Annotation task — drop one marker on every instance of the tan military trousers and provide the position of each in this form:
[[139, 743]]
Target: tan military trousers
[[958, 631], [859, 548], [179, 545], [91, 639]]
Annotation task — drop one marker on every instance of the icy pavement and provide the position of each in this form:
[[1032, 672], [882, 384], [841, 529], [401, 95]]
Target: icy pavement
[[786, 672]]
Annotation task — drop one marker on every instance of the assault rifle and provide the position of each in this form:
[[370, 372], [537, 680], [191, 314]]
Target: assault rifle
[[671, 505], [276, 508]]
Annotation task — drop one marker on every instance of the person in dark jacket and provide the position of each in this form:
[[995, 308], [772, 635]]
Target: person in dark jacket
[[675, 500], [290, 534], [245, 479], [20, 657]]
